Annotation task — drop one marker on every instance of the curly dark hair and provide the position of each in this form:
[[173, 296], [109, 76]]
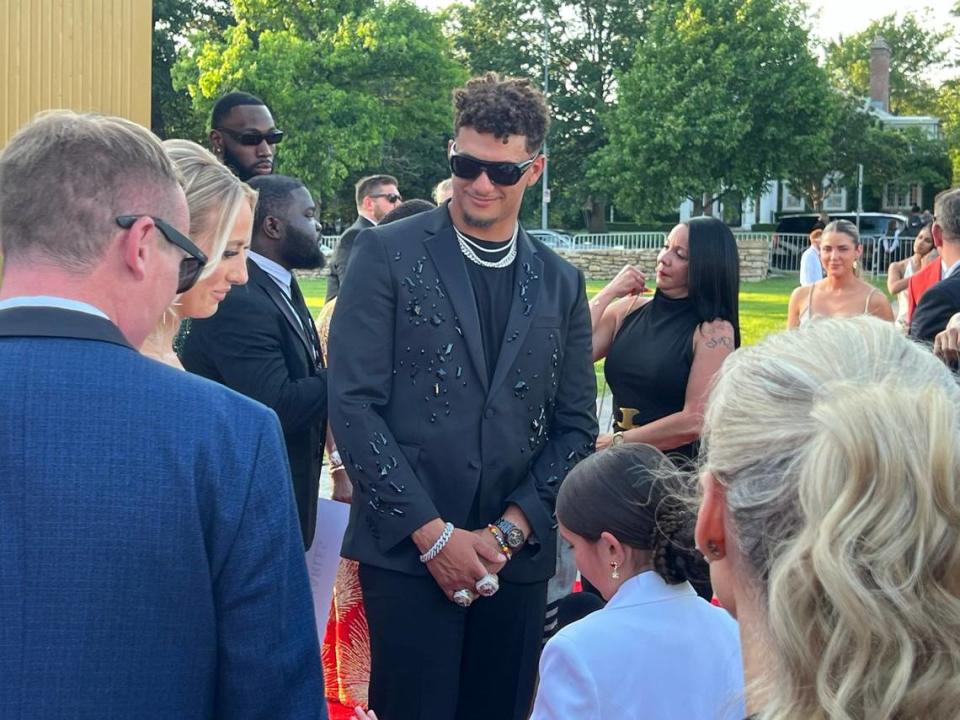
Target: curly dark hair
[[504, 107]]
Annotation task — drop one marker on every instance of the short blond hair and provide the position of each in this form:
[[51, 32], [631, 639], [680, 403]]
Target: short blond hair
[[214, 196], [66, 176], [839, 447]]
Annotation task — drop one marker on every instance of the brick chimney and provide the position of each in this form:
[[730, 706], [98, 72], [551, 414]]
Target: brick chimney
[[880, 74]]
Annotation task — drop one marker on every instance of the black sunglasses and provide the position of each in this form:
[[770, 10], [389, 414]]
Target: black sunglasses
[[254, 137], [191, 266], [392, 198], [500, 173]]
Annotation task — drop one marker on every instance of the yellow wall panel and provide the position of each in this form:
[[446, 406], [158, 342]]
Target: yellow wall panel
[[85, 55]]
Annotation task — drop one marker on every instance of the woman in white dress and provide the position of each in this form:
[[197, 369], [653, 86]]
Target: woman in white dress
[[657, 651]]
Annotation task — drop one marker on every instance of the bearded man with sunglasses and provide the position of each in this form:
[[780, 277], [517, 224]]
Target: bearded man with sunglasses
[[139, 505], [461, 393], [243, 134]]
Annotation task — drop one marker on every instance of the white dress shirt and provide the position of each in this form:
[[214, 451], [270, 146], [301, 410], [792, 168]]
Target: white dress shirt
[[52, 301], [811, 269], [655, 652]]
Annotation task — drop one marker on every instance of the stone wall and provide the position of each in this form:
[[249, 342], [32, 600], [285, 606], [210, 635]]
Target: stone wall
[[604, 264]]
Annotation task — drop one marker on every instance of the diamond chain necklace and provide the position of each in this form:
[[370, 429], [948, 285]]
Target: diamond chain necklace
[[467, 248]]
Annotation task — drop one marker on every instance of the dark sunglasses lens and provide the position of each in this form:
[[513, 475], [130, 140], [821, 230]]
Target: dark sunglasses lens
[[190, 269], [504, 174], [257, 138], [499, 173], [465, 167]]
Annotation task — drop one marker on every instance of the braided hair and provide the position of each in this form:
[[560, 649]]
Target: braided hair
[[634, 492]]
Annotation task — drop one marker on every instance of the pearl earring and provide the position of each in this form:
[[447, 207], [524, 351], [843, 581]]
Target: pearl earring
[[616, 570]]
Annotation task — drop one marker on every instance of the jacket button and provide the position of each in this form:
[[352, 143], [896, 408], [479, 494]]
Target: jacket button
[[488, 413], [473, 465]]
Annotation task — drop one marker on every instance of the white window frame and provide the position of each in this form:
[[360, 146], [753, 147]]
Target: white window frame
[[791, 202], [902, 197]]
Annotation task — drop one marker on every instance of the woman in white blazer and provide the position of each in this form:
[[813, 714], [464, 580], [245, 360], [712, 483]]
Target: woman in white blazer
[[657, 651]]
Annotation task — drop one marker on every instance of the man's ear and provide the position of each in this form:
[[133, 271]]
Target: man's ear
[[711, 524], [136, 245], [937, 233], [272, 227], [536, 170], [216, 142]]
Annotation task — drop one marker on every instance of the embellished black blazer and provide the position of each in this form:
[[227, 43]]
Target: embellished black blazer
[[423, 430]]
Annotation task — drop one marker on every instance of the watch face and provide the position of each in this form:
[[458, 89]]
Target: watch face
[[515, 538]]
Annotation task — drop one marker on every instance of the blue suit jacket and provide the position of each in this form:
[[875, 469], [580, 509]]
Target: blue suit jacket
[[150, 557]]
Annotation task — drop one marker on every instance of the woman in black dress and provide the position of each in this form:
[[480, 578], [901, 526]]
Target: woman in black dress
[[662, 352]]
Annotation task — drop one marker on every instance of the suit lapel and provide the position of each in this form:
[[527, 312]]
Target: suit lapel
[[442, 246], [274, 292], [59, 323], [523, 307]]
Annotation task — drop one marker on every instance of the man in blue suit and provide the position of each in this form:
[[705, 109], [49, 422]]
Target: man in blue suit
[[150, 560]]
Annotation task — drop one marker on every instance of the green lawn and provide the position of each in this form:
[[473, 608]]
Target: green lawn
[[763, 305]]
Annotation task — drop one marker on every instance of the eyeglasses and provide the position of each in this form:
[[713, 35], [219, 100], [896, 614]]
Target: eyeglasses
[[500, 173], [392, 198], [191, 266], [254, 137]]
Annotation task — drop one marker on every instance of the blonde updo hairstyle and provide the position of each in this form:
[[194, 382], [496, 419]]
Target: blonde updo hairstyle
[[839, 448], [214, 196]]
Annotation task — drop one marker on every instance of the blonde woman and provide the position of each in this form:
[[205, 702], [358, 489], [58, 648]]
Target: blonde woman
[[221, 222], [841, 293], [833, 534]]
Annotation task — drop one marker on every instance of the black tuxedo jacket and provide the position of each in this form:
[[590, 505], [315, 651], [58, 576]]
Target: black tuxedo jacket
[[341, 256], [935, 309], [423, 430], [255, 345]]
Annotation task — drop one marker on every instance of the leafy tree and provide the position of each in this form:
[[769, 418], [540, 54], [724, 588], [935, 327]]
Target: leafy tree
[[721, 94], [366, 91], [840, 140], [173, 20], [917, 47], [948, 110]]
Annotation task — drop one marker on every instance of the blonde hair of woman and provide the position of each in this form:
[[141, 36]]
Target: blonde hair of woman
[[221, 222], [833, 531]]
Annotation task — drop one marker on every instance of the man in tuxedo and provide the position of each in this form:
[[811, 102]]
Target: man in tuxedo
[[262, 341], [462, 391], [942, 300], [243, 134], [149, 565], [376, 196]]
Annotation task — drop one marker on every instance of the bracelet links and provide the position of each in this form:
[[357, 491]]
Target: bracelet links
[[439, 544], [501, 540]]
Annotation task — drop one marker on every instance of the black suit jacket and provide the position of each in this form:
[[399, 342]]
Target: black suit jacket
[[423, 430], [255, 345], [935, 309], [341, 256]]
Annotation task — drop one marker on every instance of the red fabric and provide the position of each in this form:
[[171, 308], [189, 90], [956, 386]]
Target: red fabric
[[345, 651], [920, 282]]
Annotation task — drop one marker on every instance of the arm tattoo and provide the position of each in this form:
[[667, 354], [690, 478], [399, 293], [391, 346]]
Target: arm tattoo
[[723, 341]]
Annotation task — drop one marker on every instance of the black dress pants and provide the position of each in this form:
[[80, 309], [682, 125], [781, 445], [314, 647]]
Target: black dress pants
[[433, 660]]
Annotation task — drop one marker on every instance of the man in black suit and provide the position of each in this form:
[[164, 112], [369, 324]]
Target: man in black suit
[[942, 300], [262, 341], [462, 391], [376, 196]]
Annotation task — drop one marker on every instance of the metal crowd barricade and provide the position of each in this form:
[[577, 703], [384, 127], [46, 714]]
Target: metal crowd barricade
[[619, 241]]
